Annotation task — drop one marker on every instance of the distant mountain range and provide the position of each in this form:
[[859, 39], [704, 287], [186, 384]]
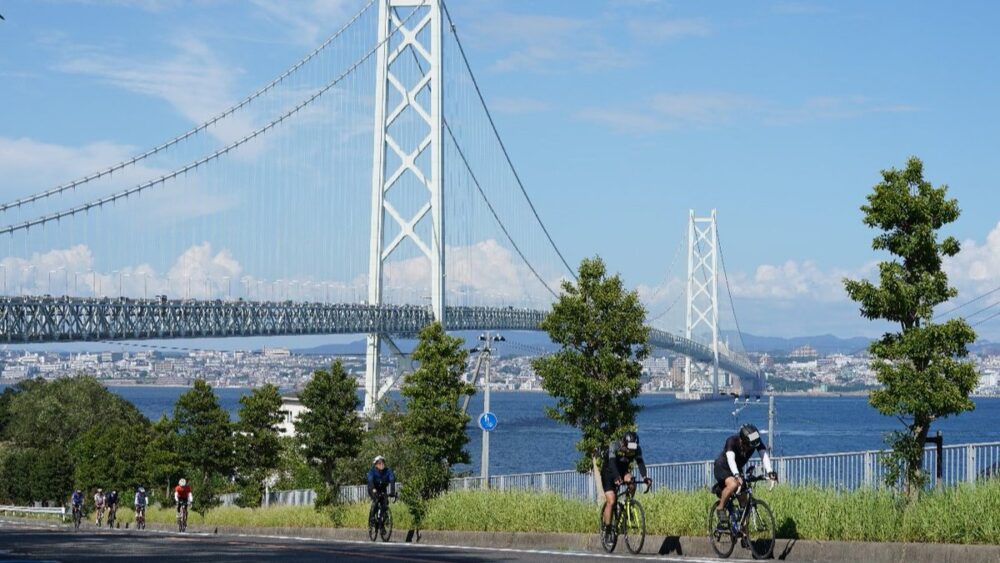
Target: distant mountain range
[[824, 343]]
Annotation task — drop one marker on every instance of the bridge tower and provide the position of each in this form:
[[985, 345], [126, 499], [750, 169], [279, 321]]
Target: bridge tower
[[702, 302], [400, 90]]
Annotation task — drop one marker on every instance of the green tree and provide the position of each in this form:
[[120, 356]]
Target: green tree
[[113, 456], [204, 443], [55, 413], [921, 367], [330, 430], [594, 376], [258, 447], [294, 471], [163, 461], [434, 422]]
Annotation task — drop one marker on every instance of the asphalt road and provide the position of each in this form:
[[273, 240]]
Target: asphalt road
[[47, 542]]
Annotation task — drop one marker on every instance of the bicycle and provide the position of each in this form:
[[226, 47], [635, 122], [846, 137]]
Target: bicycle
[[182, 516], [112, 515], [379, 520], [752, 524], [140, 517], [100, 516], [77, 516], [628, 519]]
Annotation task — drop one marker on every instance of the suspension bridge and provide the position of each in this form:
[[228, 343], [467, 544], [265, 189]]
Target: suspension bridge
[[365, 190]]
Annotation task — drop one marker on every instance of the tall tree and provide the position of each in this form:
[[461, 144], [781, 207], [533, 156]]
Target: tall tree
[[434, 422], [921, 367], [204, 442], [330, 429], [258, 446], [594, 376]]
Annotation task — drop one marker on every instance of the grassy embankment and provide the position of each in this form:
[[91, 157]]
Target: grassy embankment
[[956, 515]]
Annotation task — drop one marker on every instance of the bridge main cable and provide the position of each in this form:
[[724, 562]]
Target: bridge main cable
[[158, 149], [10, 229]]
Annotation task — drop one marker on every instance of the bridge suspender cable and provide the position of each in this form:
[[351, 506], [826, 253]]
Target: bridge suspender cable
[[503, 227], [126, 163], [10, 229], [732, 305], [489, 116]]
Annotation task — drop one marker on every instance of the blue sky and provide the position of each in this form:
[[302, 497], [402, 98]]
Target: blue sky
[[620, 116]]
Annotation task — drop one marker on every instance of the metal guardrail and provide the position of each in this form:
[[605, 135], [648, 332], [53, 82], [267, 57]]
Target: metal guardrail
[[51, 510], [961, 463]]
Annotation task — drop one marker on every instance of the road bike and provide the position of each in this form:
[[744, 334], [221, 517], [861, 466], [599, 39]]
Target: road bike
[[112, 515], [100, 516], [182, 516], [628, 520], [77, 516], [140, 517], [380, 518], [752, 524]]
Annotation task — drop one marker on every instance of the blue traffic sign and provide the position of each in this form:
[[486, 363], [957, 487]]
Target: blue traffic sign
[[487, 421]]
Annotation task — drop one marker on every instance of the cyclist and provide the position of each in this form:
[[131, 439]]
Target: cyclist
[[616, 470], [140, 503], [381, 480], [183, 496], [76, 501], [99, 505], [735, 454], [112, 503]]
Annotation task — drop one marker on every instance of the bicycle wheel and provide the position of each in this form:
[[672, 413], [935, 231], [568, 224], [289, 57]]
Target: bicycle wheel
[[609, 538], [373, 523], [759, 529], [719, 536], [386, 529], [633, 525]]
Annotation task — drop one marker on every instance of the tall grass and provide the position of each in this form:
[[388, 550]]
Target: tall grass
[[963, 514]]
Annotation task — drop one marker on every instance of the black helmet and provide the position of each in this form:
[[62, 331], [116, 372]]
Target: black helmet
[[750, 435], [630, 441]]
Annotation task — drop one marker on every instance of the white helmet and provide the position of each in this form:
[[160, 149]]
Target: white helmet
[[377, 459], [183, 482]]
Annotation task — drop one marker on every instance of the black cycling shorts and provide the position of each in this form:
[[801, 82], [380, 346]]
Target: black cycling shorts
[[722, 472]]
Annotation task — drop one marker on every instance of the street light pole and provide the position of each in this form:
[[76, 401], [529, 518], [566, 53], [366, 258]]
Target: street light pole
[[487, 354]]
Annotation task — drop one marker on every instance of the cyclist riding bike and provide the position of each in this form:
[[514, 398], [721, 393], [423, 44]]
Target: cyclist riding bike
[[381, 483], [140, 502], [616, 470], [112, 503], [183, 496], [99, 505], [735, 454], [76, 501]]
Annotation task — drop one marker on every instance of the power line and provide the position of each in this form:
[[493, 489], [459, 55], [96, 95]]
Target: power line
[[994, 315]]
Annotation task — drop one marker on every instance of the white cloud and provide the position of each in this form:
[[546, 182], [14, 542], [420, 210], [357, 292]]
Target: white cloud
[[194, 81], [544, 43], [518, 105], [308, 22], [677, 28], [30, 166], [976, 268], [670, 111]]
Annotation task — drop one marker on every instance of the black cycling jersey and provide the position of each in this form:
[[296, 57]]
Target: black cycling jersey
[[734, 444], [619, 459]]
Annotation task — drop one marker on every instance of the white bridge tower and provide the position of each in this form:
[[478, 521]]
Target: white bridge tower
[[408, 83], [702, 304]]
